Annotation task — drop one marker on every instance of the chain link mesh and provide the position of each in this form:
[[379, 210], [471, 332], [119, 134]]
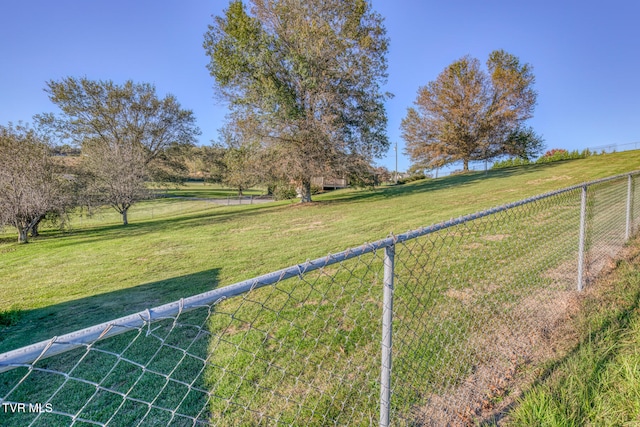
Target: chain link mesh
[[476, 302]]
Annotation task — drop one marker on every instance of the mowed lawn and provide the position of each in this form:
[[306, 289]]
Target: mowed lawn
[[98, 270], [206, 190]]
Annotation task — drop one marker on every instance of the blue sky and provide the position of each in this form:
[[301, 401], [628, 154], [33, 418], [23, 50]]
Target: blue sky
[[585, 55]]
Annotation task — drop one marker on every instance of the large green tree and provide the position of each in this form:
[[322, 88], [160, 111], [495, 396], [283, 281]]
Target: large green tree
[[468, 113], [304, 78], [126, 134]]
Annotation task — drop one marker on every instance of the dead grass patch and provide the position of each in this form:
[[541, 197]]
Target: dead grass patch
[[510, 350], [549, 179]]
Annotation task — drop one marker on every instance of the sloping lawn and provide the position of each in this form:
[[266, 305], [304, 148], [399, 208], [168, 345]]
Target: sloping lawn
[[597, 382], [98, 270]]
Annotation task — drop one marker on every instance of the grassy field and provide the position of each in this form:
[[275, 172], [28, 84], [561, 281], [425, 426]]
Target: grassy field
[[204, 190], [98, 270]]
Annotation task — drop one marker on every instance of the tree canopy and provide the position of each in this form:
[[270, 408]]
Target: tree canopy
[[32, 185], [125, 133], [303, 78], [470, 114]]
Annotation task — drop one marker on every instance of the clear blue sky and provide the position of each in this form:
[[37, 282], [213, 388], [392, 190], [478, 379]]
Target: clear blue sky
[[586, 56]]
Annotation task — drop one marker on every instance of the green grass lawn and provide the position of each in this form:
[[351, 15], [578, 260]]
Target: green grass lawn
[[175, 248], [99, 270], [205, 190]]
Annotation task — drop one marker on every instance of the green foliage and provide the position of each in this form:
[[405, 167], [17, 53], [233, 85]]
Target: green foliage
[[284, 191], [508, 163], [412, 178], [554, 155], [303, 80]]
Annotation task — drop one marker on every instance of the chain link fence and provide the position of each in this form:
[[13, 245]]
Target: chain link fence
[[431, 327]]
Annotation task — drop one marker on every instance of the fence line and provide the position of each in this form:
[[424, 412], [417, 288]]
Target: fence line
[[613, 147], [243, 350]]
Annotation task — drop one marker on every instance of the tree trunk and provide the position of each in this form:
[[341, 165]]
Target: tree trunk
[[34, 227], [465, 165], [22, 235], [305, 191], [125, 221], [34, 230]]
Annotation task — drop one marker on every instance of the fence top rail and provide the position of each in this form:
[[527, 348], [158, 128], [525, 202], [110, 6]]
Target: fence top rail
[[87, 336]]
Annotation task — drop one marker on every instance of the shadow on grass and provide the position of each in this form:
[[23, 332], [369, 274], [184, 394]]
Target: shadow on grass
[[219, 214], [179, 222], [24, 327]]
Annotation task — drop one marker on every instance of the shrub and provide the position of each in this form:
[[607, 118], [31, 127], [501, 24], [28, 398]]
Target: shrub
[[284, 191], [414, 177], [557, 152], [508, 163], [553, 155]]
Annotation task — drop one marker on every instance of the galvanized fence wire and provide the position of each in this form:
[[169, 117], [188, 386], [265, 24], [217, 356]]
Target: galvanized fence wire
[[431, 327], [473, 303]]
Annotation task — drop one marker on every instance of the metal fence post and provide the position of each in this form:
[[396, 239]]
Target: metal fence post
[[627, 233], [583, 226], [387, 327]]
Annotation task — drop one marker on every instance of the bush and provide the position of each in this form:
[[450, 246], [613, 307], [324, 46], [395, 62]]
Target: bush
[[558, 154], [284, 191], [414, 177], [508, 163], [553, 155]]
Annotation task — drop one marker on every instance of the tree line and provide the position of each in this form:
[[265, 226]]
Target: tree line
[[126, 137], [303, 82]]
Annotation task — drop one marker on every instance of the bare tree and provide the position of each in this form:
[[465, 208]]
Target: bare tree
[[125, 132], [32, 184], [304, 77], [468, 114]]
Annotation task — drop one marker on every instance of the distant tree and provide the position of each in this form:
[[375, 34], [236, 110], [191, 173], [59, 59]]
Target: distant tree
[[523, 143], [382, 174], [241, 166], [305, 78], [207, 161], [558, 152], [468, 114], [32, 184], [125, 133]]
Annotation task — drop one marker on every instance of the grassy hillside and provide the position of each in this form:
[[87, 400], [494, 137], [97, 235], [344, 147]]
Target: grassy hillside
[[466, 299], [597, 382], [99, 270]]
